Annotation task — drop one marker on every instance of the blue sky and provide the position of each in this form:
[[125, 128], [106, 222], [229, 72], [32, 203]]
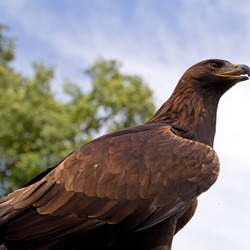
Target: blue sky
[[158, 40]]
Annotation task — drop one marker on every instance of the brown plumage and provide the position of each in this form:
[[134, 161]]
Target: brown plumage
[[131, 189]]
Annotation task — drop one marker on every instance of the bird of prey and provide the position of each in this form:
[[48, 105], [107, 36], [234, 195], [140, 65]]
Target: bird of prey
[[131, 189]]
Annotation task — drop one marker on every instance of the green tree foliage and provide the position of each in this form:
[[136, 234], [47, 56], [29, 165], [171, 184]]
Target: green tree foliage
[[36, 129], [6, 47]]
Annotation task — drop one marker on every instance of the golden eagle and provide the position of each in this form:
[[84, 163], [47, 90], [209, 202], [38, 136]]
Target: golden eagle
[[131, 189]]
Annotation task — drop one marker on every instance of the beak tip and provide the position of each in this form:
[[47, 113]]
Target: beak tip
[[244, 69]]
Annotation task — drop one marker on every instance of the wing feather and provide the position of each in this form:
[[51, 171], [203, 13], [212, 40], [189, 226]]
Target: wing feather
[[120, 175]]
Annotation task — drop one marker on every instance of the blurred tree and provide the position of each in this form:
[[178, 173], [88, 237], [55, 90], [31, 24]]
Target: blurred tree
[[36, 129], [6, 47]]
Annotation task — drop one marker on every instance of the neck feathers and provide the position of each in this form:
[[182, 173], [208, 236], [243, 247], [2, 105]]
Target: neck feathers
[[191, 110]]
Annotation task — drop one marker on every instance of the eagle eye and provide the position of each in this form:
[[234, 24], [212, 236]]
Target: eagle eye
[[214, 65]]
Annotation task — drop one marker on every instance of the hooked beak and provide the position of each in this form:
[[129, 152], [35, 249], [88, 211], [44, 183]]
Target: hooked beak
[[240, 72]]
